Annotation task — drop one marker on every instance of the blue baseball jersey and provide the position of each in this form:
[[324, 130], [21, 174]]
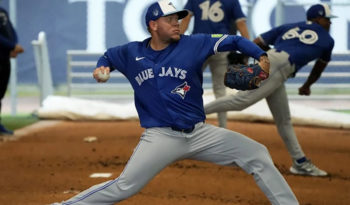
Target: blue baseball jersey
[[168, 83], [214, 16], [303, 41]]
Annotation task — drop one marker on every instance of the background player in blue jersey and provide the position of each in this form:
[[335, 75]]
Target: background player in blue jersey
[[294, 46], [9, 48], [216, 17], [165, 72]]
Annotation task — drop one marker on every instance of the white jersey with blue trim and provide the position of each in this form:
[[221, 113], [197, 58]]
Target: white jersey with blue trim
[[303, 41], [214, 16], [168, 83]]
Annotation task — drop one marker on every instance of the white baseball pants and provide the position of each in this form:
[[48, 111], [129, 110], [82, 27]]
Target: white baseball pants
[[274, 91]]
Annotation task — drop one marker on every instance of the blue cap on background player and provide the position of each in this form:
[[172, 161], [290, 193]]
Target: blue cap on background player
[[163, 8], [319, 10]]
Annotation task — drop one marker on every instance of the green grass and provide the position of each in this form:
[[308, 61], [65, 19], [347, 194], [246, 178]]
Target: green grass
[[18, 121], [343, 111]]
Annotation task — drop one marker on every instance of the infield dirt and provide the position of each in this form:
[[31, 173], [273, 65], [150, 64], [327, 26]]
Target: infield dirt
[[52, 164]]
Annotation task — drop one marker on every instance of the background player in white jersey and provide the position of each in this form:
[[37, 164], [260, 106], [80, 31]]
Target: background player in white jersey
[[294, 46], [216, 17], [165, 72]]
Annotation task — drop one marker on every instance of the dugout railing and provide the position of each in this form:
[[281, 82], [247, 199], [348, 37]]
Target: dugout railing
[[334, 83]]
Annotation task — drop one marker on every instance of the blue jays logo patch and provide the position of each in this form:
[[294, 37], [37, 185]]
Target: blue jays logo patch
[[181, 90], [155, 12]]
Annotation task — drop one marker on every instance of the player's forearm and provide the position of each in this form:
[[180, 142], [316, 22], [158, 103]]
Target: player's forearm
[[258, 41], [249, 48], [242, 28], [315, 73]]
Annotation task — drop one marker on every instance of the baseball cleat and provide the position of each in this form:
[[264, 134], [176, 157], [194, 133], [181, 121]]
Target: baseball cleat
[[4, 131], [307, 168]]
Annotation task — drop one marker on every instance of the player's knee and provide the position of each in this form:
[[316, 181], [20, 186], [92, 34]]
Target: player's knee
[[127, 189], [261, 151], [238, 103], [261, 159]]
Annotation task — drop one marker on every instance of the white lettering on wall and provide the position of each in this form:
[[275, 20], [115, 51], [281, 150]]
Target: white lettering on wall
[[339, 27], [96, 26], [134, 22]]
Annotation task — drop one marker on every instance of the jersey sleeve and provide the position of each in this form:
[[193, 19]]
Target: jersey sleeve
[[237, 11], [5, 42], [189, 6], [271, 36], [202, 43], [114, 58], [233, 42], [327, 55]]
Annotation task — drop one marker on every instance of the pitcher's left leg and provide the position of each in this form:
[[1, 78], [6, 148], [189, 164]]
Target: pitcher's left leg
[[225, 147], [278, 104]]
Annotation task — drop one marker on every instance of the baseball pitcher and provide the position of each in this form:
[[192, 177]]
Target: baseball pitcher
[[165, 72]]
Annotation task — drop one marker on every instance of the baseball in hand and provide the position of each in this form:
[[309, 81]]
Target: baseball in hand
[[103, 75]]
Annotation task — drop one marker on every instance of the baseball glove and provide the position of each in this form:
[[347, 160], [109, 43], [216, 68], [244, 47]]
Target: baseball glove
[[243, 77], [237, 58]]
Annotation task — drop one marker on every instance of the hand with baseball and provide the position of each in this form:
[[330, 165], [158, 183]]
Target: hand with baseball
[[101, 74]]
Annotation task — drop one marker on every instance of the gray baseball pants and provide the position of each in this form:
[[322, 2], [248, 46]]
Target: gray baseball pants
[[274, 91], [159, 147]]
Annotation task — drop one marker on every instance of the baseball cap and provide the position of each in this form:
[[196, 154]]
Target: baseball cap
[[163, 8], [319, 10]]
